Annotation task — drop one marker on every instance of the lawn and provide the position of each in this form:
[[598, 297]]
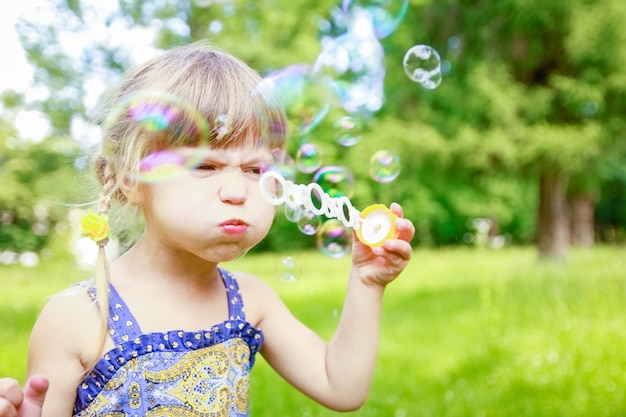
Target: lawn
[[465, 332]]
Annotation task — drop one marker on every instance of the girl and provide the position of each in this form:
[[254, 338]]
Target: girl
[[163, 330]]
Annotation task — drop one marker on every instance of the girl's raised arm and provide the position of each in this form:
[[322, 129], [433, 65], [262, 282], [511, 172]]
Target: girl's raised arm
[[339, 374]]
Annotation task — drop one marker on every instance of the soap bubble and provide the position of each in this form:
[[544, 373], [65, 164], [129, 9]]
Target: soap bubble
[[221, 125], [288, 270], [306, 99], [309, 223], [334, 239], [283, 164], [336, 181], [164, 165], [348, 130], [423, 65], [294, 214], [308, 158], [385, 15], [166, 123], [384, 166], [353, 64]]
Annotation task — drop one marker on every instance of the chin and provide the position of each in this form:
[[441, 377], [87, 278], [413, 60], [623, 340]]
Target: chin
[[226, 252]]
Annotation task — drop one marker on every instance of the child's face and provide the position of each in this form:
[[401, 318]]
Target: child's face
[[216, 211]]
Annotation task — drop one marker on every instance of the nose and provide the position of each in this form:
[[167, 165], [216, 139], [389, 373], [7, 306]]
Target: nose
[[233, 188]]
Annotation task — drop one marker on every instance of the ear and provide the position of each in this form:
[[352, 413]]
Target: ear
[[134, 192]]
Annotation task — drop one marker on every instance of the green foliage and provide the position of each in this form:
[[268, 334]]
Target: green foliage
[[37, 180], [527, 86]]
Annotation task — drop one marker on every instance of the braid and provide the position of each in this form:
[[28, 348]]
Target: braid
[[106, 175], [109, 188]]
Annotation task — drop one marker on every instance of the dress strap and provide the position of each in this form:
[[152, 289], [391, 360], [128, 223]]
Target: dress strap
[[235, 302], [122, 324]]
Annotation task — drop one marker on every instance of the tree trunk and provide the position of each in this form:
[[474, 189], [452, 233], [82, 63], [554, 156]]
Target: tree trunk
[[552, 224], [582, 223]]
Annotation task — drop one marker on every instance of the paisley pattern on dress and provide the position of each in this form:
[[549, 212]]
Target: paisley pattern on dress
[[178, 373]]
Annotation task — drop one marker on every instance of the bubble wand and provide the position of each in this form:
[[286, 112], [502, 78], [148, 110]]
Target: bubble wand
[[373, 225]]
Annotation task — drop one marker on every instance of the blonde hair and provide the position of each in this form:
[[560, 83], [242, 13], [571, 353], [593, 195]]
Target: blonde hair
[[217, 86]]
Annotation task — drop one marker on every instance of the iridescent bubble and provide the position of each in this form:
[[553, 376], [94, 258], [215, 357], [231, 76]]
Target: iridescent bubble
[[354, 64], [385, 15], [384, 166], [308, 158], [306, 99], [334, 239], [270, 115], [336, 181], [292, 214], [283, 164], [221, 125], [288, 270], [163, 165], [166, 124], [422, 64], [348, 130], [309, 223]]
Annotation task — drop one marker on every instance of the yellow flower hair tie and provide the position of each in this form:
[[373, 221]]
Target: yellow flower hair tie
[[96, 227]]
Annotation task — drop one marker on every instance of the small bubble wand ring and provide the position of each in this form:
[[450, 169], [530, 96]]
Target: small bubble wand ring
[[373, 226]]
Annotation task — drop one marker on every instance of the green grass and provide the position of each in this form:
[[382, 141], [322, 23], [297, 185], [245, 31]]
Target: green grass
[[465, 332]]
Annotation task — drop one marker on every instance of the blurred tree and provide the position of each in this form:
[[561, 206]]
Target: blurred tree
[[530, 88], [529, 112], [37, 180]]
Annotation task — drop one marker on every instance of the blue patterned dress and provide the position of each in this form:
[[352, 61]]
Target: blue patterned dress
[[178, 373]]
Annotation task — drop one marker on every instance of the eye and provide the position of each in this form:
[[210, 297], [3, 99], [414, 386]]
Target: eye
[[204, 167], [253, 170]]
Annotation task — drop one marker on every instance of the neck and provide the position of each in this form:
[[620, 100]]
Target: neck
[[159, 262]]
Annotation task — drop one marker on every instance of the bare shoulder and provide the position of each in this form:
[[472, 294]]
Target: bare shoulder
[[258, 297], [72, 304], [65, 318]]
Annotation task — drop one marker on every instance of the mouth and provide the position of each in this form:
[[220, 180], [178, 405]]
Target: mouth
[[234, 227]]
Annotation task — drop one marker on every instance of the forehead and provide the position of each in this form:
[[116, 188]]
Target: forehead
[[231, 154]]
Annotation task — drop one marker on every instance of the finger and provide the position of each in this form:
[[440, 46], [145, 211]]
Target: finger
[[34, 396], [7, 409], [405, 229], [396, 209], [399, 249], [10, 391]]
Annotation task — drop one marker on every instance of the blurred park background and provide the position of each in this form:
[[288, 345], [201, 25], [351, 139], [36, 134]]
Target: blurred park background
[[513, 170]]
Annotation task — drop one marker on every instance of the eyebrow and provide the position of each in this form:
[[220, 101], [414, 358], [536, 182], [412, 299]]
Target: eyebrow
[[221, 157]]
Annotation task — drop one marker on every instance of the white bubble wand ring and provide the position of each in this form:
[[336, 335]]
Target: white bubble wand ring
[[373, 226]]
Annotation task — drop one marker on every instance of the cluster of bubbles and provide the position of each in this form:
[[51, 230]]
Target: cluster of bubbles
[[340, 90]]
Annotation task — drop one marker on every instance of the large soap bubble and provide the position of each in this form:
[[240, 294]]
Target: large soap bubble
[[385, 15], [334, 239], [306, 99], [336, 181], [385, 166], [164, 123], [355, 65]]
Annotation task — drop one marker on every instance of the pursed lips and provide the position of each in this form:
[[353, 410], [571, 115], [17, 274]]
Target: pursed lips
[[234, 227]]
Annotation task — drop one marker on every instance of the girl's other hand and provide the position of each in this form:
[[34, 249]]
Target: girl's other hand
[[27, 403], [380, 265]]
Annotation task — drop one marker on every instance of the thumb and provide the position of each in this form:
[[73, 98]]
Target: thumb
[[34, 395]]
